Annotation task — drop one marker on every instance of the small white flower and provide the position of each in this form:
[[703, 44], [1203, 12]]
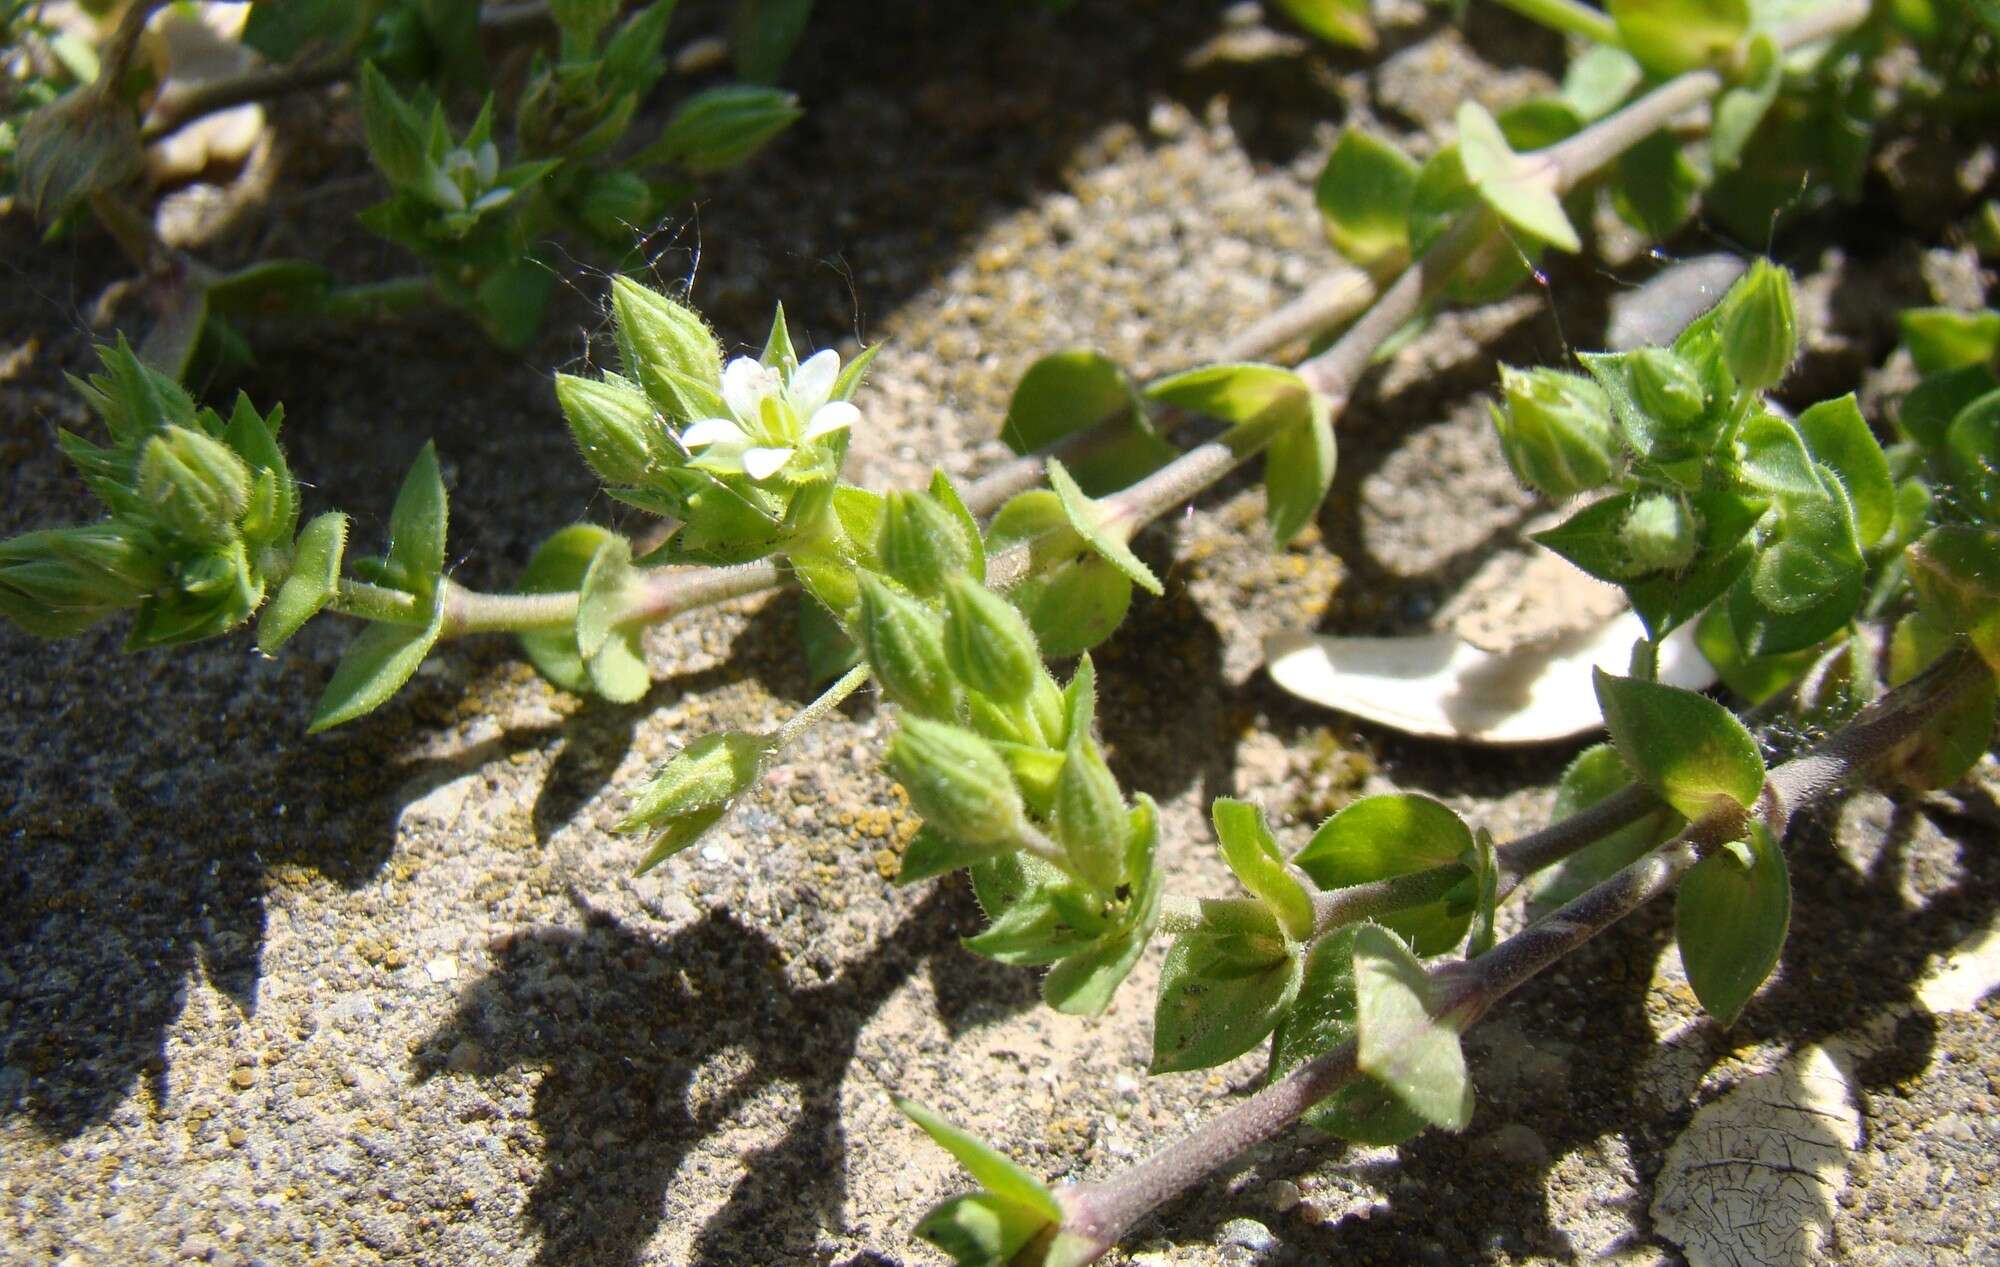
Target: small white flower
[[772, 415]]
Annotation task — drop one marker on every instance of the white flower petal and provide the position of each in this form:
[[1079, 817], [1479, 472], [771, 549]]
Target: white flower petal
[[832, 417], [744, 383], [761, 464], [813, 381], [712, 431]]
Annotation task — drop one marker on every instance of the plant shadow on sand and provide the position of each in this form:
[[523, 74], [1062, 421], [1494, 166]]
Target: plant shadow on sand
[[630, 1029]]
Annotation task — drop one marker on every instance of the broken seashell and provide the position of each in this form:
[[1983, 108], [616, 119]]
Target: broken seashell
[[1441, 687]]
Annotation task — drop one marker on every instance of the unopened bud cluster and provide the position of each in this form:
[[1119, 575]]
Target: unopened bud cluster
[[994, 754], [202, 515]]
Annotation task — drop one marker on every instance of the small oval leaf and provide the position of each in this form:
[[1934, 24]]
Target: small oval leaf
[[1731, 917], [1689, 749]]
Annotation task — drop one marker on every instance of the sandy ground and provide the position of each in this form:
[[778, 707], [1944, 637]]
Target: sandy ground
[[392, 994]]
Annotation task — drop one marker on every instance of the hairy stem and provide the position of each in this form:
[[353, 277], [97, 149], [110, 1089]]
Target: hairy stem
[[829, 699], [1102, 1212]]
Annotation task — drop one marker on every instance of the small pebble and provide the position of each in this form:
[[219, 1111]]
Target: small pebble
[[1283, 1195], [1248, 1233], [243, 1079]]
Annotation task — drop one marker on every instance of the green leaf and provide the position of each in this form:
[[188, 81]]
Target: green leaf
[[1321, 1019], [1522, 189], [999, 1175], [559, 564], [1253, 854], [1035, 929], [1378, 837], [1218, 999], [312, 583], [1972, 452], [1071, 603], [1772, 458], [1956, 572], [720, 128], [1398, 1043], [1538, 123], [1656, 186], [396, 132], [947, 496], [1957, 736], [979, 1229], [1808, 580], [1443, 193], [1943, 339], [1342, 22], [677, 835], [1067, 392], [1485, 865], [1082, 984], [1838, 436], [282, 31], [764, 33], [1598, 80], [1364, 195], [1730, 920], [1756, 678], [1742, 106], [270, 287], [377, 663], [417, 525], [1927, 412], [1597, 772], [613, 655], [1236, 392], [511, 302], [1298, 471], [1090, 523], [1668, 37], [1689, 749], [829, 651], [931, 853]]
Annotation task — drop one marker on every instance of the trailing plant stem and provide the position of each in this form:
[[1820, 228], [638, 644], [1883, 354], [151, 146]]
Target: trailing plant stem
[[831, 698], [1103, 1212]]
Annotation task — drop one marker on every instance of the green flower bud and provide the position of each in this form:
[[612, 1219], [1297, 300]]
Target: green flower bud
[[720, 128], [1659, 533], [1090, 819], [60, 581], [1760, 329], [904, 642], [615, 428], [922, 544], [1667, 388], [710, 772], [988, 644], [195, 484], [957, 782], [1556, 431], [661, 342], [80, 144], [210, 593]]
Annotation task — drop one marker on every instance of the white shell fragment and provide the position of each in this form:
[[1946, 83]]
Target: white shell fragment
[[1441, 687], [1754, 1177]]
